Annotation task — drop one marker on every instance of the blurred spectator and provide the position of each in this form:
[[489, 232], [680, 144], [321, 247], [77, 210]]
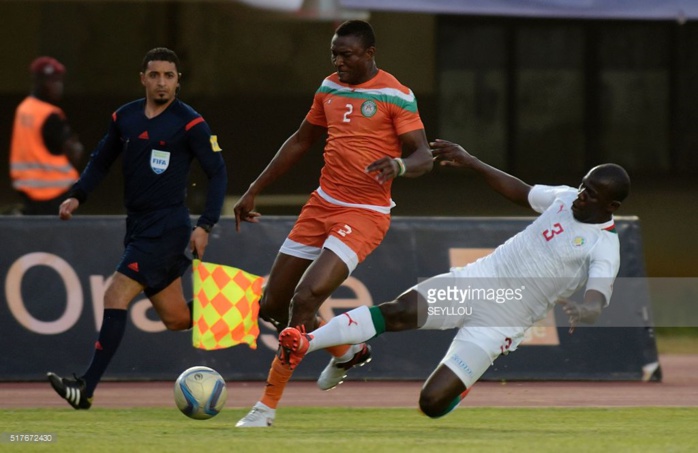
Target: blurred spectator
[[44, 151]]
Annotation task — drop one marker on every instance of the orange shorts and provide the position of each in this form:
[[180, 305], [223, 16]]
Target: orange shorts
[[351, 233]]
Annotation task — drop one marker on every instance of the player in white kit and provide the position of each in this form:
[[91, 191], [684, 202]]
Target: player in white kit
[[572, 244]]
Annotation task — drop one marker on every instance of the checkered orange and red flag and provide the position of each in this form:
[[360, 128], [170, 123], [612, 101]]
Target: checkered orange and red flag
[[226, 306]]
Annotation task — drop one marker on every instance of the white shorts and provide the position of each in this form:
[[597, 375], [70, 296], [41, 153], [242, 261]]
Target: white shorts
[[467, 360], [482, 336], [474, 349], [307, 252]]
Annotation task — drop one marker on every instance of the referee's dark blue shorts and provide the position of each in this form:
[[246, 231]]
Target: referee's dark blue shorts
[[155, 248]]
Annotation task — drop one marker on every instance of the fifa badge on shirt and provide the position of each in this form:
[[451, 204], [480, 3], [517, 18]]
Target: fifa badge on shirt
[[159, 161], [214, 144], [369, 108]]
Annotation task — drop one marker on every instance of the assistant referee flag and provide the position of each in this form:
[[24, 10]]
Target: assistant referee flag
[[226, 306]]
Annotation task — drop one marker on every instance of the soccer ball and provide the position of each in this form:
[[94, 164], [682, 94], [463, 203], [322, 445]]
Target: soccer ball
[[200, 392]]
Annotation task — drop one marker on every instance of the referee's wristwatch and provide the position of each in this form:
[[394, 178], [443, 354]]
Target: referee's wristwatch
[[204, 226]]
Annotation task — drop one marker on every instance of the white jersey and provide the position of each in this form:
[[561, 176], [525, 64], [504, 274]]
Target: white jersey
[[552, 258]]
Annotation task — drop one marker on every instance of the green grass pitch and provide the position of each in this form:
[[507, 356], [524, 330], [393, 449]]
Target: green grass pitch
[[303, 430]]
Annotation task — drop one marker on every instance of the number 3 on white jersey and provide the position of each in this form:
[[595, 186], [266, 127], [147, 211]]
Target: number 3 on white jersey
[[350, 108], [549, 234]]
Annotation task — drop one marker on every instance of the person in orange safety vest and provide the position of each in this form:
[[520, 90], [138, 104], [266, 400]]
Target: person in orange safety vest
[[44, 151]]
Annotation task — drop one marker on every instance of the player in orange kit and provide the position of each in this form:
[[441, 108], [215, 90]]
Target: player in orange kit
[[369, 118]]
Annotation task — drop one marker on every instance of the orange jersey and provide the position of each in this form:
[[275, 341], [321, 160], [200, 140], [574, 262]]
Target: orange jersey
[[363, 123]]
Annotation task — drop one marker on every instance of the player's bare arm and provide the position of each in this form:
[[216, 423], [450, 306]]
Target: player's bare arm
[[415, 147], [451, 154], [286, 157], [418, 161]]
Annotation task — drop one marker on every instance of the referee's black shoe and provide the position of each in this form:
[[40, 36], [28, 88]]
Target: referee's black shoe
[[71, 390]]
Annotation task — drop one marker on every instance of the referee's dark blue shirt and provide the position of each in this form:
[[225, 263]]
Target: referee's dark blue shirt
[[157, 155]]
